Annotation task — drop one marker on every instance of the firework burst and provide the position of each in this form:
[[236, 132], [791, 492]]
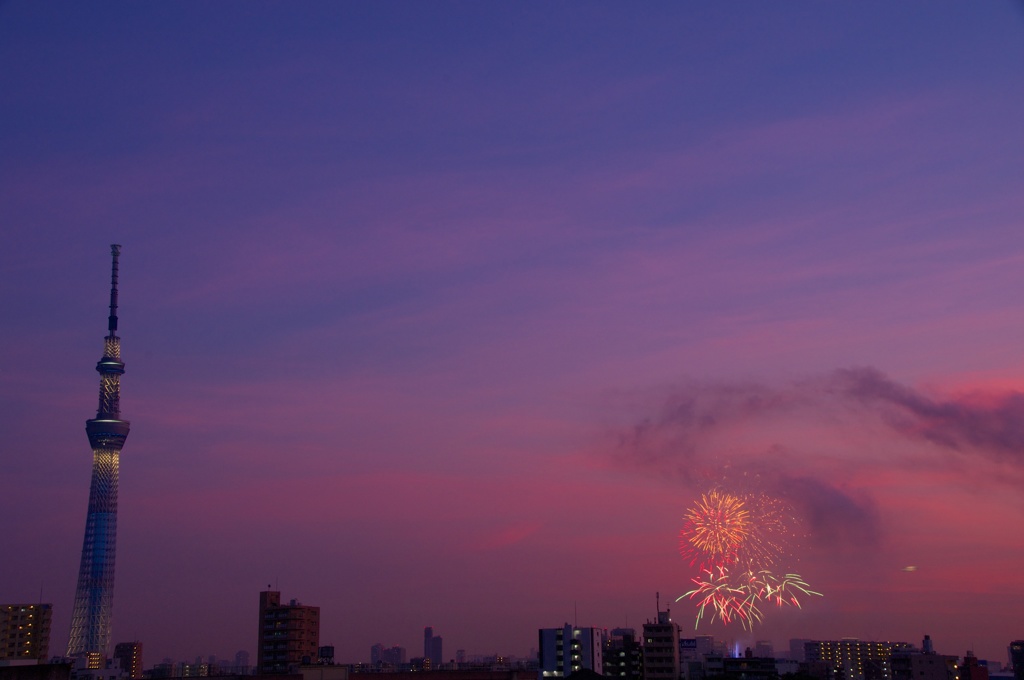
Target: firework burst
[[715, 529], [735, 541]]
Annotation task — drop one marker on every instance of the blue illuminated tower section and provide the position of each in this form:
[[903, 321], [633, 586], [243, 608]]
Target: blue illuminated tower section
[[90, 621]]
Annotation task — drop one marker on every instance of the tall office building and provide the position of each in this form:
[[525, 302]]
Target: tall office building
[[432, 650], [130, 656], [568, 650], [25, 631], [289, 634], [661, 648], [623, 655], [90, 618]]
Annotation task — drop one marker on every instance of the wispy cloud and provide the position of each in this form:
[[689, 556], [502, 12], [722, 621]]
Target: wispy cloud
[[989, 424]]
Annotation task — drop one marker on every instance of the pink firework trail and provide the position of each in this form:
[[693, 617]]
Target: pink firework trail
[[728, 599]]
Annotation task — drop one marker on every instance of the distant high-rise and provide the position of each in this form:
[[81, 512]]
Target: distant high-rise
[[289, 634], [706, 646], [25, 631], [94, 597], [381, 656], [797, 649], [130, 656], [432, 650]]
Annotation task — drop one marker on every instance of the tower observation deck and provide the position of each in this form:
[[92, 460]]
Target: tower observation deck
[[90, 619]]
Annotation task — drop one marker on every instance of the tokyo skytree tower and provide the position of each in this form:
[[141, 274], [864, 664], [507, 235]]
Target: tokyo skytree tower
[[90, 620]]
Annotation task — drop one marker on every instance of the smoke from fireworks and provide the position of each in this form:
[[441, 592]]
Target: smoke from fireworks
[[735, 541]]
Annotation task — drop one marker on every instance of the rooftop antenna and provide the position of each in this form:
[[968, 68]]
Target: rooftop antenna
[[657, 601]]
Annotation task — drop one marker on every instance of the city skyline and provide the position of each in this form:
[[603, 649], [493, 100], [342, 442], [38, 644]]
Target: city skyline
[[444, 315]]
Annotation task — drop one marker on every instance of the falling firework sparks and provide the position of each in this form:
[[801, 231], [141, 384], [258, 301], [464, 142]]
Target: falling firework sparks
[[770, 535], [781, 590], [727, 600]]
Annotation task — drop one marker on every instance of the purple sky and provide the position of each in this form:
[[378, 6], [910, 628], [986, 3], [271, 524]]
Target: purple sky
[[444, 313]]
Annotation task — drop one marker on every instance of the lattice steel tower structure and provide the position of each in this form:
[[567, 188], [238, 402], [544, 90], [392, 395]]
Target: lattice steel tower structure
[[90, 621]]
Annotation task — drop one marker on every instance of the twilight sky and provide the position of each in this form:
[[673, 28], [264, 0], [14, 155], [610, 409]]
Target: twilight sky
[[444, 313]]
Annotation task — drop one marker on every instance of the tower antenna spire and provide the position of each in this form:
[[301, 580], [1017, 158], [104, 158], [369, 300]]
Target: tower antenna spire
[[115, 251]]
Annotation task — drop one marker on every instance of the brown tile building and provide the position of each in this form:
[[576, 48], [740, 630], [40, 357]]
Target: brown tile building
[[289, 634]]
